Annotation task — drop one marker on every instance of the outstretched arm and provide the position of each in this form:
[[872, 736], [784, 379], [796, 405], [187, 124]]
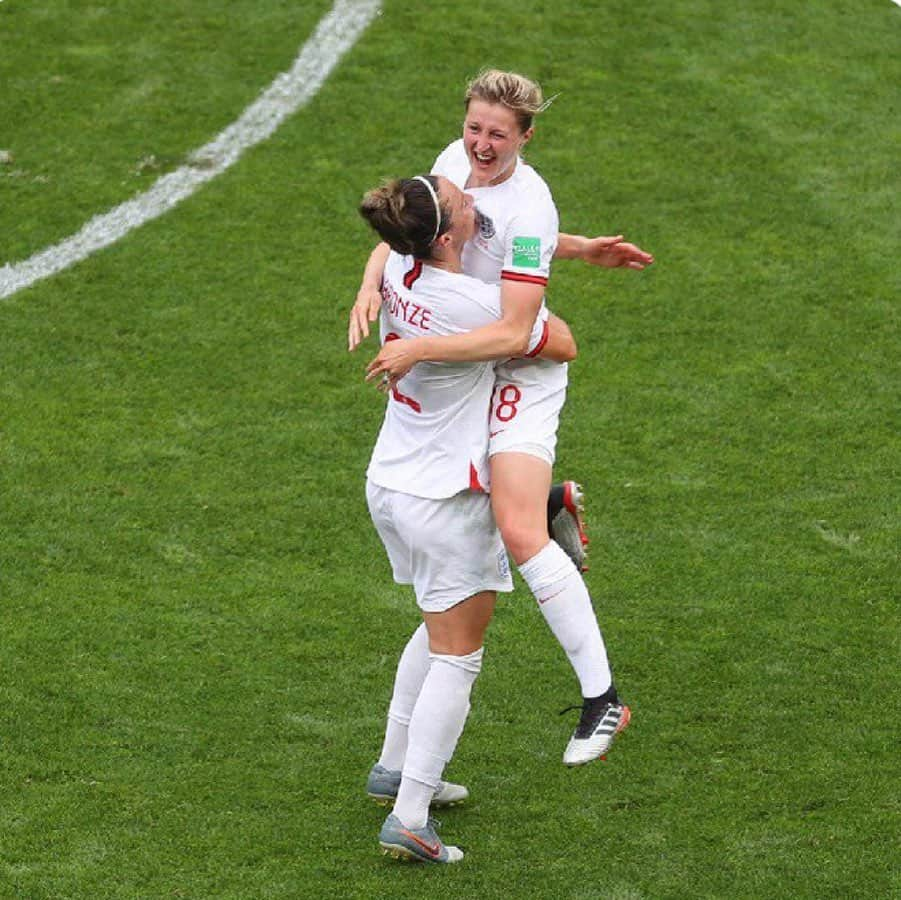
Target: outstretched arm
[[607, 252], [366, 306]]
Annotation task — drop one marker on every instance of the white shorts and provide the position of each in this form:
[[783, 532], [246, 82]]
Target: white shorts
[[525, 407], [447, 549]]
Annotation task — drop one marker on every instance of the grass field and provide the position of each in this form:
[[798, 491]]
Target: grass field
[[198, 628]]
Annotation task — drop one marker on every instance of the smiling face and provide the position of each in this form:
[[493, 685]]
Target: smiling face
[[492, 139]]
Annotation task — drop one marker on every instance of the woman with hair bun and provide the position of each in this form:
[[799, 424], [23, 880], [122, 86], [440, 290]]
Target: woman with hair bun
[[424, 491]]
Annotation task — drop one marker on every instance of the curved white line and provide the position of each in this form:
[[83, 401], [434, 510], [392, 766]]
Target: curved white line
[[335, 34]]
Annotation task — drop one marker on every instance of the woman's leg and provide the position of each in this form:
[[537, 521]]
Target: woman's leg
[[519, 489], [411, 672], [455, 642], [519, 484]]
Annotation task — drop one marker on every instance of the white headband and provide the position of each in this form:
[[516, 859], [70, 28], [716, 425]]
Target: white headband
[[428, 184]]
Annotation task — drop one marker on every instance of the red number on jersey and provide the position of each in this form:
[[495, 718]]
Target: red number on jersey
[[402, 398]]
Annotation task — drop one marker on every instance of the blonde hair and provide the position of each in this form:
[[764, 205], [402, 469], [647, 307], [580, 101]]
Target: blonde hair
[[519, 94], [405, 214]]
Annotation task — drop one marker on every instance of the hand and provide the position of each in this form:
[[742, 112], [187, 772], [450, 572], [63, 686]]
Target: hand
[[393, 361], [365, 310], [615, 253]]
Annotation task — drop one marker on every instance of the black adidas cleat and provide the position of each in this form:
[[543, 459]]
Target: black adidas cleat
[[600, 723]]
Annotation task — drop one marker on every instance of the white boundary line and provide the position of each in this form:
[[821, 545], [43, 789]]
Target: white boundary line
[[335, 34]]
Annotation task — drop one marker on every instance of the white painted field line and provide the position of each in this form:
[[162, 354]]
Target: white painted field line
[[335, 34]]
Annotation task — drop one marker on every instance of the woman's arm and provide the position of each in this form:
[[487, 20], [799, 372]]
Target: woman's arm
[[608, 252], [560, 345], [509, 336], [369, 300]]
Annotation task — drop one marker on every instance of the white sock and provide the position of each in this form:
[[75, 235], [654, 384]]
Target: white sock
[[564, 602], [435, 728], [412, 669]]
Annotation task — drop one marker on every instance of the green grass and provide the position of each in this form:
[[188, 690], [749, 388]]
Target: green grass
[[199, 628]]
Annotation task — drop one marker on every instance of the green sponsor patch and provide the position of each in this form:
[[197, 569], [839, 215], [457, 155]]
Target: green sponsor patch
[[527, 252]]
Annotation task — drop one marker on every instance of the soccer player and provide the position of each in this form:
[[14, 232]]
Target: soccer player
[[516, 240], [425, 489]]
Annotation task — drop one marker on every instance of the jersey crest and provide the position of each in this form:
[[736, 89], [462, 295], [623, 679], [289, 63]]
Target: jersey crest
[[485, 224]]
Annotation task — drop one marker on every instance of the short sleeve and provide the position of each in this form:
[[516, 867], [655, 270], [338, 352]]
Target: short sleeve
[[538, 337], [530, 242]]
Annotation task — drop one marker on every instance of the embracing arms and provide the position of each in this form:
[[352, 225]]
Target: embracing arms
[[606, 252], [369, 299], [508, 336]]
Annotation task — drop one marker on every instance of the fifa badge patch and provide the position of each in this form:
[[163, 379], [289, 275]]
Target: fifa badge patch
[[527, 252]]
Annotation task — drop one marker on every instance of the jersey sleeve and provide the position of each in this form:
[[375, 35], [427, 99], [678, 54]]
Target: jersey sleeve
[[530, 242], [539, 335]]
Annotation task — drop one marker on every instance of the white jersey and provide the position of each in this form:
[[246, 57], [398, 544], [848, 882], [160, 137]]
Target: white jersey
[[519, 222], [516, 242], [434, 439]]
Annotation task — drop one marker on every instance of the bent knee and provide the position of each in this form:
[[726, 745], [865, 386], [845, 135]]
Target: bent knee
[[523, 539]]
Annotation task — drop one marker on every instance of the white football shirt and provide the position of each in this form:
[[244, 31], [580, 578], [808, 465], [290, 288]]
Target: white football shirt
[[518, 232], [434, 438]]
